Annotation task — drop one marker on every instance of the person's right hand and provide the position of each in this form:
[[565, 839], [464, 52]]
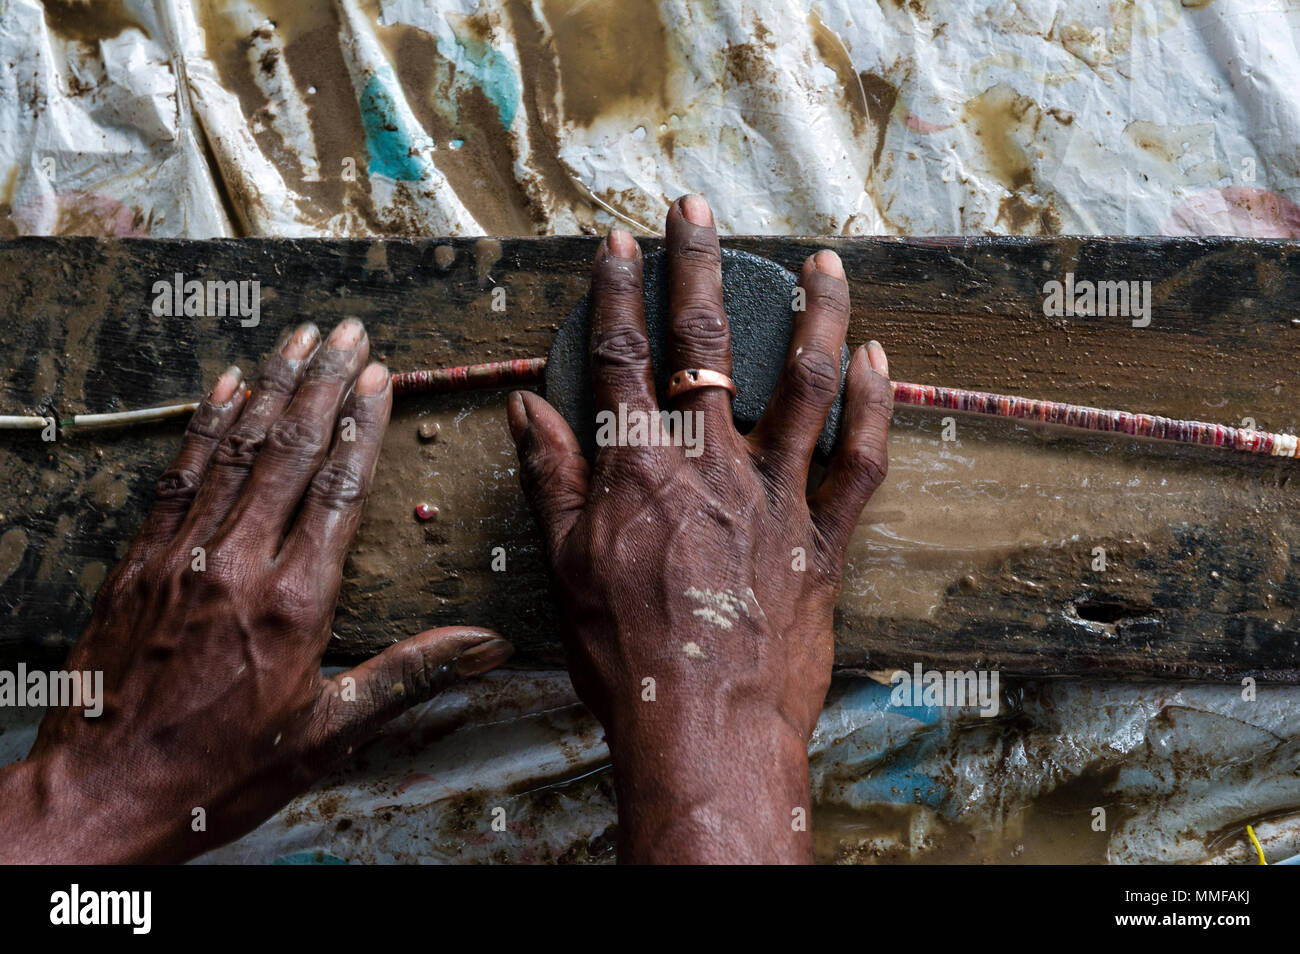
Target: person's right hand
[[698, 592]]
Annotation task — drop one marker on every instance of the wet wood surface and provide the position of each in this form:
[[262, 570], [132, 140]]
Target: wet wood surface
[[981, 551]]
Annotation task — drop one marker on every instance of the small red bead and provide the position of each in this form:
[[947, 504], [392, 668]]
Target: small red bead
[[425, 511]]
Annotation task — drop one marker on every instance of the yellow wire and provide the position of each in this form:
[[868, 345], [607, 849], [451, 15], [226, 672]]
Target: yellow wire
[[1255, 841]]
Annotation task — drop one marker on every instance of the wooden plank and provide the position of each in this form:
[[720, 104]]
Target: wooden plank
[[978, 551]]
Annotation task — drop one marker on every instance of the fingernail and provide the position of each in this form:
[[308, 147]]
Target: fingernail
[[479, 659], [877, 358], [517, 415], [226, 385], [829, 263], [373, 380], [303, 341], [697, 210], [621, 243], [346, 335]]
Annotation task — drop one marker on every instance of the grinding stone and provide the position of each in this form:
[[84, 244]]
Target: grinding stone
[[757, 293]]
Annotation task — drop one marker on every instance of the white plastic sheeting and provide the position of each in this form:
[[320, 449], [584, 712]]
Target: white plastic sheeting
[[511, 768], [894, 117]]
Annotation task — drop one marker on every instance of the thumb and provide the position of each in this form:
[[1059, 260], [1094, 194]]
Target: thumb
[[360, 701], [552, 470]]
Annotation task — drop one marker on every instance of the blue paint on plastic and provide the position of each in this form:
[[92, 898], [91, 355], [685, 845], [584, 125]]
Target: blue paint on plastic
[[487, 69], [894, 776], [871, 695], [898, 780], [391, 142], [901, 788]]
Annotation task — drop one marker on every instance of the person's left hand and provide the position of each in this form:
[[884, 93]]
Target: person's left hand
[[210, 632]]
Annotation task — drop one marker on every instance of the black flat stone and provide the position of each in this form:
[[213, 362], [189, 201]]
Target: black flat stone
[[757, 294]]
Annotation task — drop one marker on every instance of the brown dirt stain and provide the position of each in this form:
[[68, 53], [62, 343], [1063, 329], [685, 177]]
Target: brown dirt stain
[[89, 21], [881, 98], [1006, 124], [1000, 118], [107, 491], [487, 252], [610, 56], [91, 578], [833, 52]]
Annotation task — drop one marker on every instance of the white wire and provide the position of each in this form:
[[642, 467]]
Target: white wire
[[23, 423], [134, 417], [11, 423]]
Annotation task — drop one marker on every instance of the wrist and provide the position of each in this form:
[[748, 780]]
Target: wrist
[[49, 819], [729, 787]]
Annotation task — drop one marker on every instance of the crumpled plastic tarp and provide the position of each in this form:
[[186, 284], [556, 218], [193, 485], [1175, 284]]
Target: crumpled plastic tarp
[[203, 118], [1176, 770], [507, 117]]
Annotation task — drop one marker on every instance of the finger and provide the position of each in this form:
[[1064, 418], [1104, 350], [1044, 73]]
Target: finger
[[358, 702], [699, 335], [297, 443], [620, 350], [861, 457], [180, 483], [787, 433], [331, 511], [552, 470], [235, 454]]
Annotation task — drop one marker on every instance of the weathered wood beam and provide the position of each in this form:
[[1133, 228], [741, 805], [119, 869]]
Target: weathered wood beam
[[984, 550]]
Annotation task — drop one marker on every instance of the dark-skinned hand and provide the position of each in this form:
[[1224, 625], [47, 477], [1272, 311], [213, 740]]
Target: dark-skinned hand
[[698, 592], [210, 632]]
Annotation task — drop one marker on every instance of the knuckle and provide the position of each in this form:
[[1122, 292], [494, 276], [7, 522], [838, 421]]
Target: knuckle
[[331, 366], [622, 348], [277, 376], [700, 251], [829, 296], [292, 437], [543, 468], [619, 281], [178, 485], [815, 375], [868, 465], [208, 423], [239, 450], [369, 414], [339, 482], [295, 598], [700, 323], [880, 403], [423, 675]]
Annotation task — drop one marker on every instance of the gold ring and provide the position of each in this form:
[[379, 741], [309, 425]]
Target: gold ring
[[692, 378]]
